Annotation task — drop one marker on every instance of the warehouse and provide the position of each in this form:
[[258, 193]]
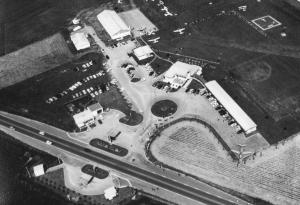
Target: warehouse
[[231, 106], [113, 24], [80, 41], [179, 73]]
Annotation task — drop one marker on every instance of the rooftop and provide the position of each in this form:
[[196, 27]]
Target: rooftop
[[80, 40], [182, 69]]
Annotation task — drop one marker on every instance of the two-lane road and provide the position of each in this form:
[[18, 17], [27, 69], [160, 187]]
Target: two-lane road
[[153, 178]]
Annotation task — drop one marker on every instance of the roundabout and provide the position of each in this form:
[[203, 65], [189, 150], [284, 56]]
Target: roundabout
[[164, 108]]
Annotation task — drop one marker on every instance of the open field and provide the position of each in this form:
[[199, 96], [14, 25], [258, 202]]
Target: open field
[[192, 148], [231, 40], [33, 59]]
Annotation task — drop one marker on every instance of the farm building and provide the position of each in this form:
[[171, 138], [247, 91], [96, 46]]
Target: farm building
[[232, 107], [143, 52], [113, 24], [96, 109], [84, 118], [80, 41], [179, 73]]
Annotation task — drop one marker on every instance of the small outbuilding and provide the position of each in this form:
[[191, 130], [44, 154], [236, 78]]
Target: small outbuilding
[[80, 41], [143, 52], [38, 170], [110, 193]]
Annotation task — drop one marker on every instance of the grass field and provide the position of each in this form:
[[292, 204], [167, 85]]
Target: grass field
[[33, 59], [216, 33]]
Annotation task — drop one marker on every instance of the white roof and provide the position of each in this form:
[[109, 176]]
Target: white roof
[[94, 107], [113, 23], [82, 117], [38, 170], [110, 193], [80, 40], [142, 52], [182, 69], [231, 106]]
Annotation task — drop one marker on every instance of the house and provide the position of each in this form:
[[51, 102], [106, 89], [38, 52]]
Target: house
[[38, 170], [113, 24], [110, 193], [96, 109], [80, 40], [179, 73]]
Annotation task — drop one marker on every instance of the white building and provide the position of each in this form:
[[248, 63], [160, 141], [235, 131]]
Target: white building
[[96, 109], [84, 118], [113, 24], [232, 107], [179, 73], [38, 170], [80, 40], [110, 193], [143, 52]]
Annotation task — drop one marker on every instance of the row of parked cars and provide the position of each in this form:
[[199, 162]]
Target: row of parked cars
[[162, 85], [84, 67], [223, 112], [131, 72]]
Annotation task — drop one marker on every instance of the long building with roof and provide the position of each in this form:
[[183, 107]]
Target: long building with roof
[[113, 24], [231, 106]]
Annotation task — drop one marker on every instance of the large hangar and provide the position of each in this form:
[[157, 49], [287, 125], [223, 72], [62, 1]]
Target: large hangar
[[232, 107], [113, 24]]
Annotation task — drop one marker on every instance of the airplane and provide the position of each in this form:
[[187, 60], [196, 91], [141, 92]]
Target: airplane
[[180, 30], [152, 32], [154, 40], [241, 154], [168, 14], [165, 9]]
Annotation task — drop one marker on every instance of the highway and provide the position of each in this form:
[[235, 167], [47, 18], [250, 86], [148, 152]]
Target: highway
[[123, 167]]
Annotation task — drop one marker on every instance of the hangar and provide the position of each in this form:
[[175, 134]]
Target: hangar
[[143, 52], [80, 41], [113, 24], [231, 106]]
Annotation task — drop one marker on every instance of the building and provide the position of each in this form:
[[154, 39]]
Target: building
[[143, 52], [80, 40], [179, 73], [38, 170], [113, 24], [83, 119], [110, 193], [96, 109], [232, 107]]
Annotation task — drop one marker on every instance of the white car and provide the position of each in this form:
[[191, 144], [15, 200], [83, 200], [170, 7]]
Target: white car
[[48, 142], [92, 95], [88, 90], [41, 132]]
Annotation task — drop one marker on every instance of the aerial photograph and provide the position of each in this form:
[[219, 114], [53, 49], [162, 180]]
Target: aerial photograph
[[150, 102]]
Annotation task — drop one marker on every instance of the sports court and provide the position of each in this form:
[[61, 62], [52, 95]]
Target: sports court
[[266, 22]]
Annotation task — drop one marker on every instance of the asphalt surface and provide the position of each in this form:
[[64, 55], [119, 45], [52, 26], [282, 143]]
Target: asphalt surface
[[153, 178]]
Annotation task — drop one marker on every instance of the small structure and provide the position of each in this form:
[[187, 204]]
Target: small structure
[[110, 193], [96, 109], [143, 52], [80, 41], [38, 170], [179, 73], [232, 107], [113, 24], [84, 119]]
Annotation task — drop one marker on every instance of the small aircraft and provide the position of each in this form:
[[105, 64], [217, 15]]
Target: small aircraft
[[154, 40], [241, 154], [168, 14], [165, 9], [180, 30], [152, 32]]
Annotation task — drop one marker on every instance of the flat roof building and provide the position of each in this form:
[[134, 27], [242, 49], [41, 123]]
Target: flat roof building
[[83, 118], [179, 73], [96, 109], [113, 24], [80, 41], [143, 52], [232, 107]]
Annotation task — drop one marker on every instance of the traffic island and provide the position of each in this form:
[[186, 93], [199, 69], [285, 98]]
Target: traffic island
[[111, 148], [164, 108], [95, 171]]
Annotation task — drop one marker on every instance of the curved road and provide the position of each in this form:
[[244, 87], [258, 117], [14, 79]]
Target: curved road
[[119, 165]]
